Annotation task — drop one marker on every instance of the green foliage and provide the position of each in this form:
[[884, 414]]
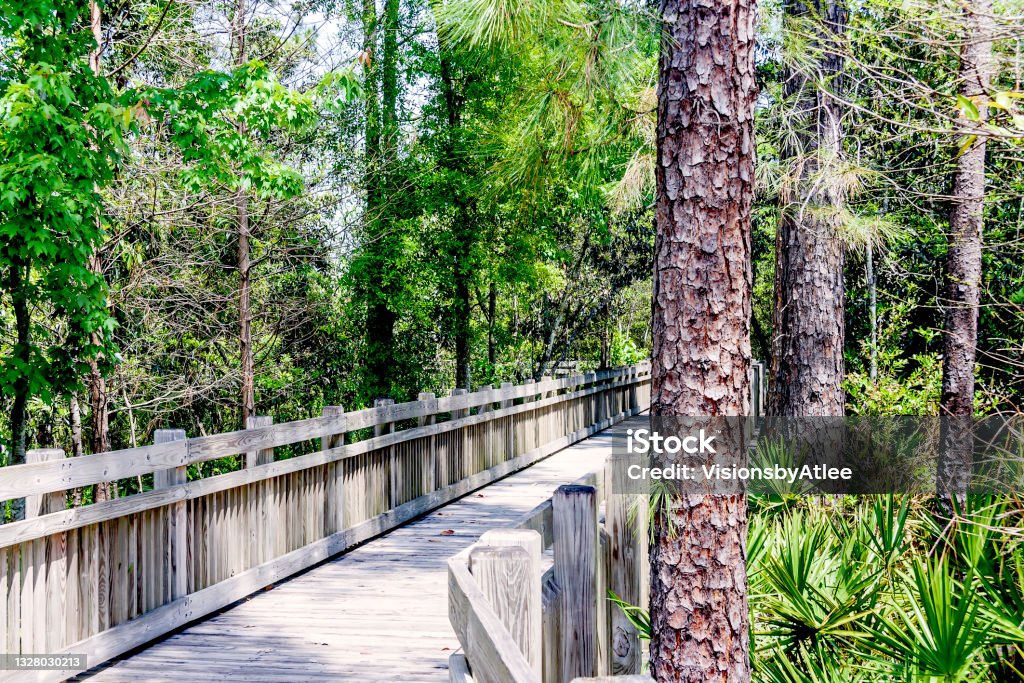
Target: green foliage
[[870, 588], [61, 134], [904, 385], [222, 122]]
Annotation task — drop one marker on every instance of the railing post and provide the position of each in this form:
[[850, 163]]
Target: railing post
[[627, 563], [510, 442], [574, 511], [551, 629], [533, 441], [44, 568], [531, 542], [505, 577], [381, 404], [430, 481], [264, 455], [463, 456], [336, 484], [486, 448], [44, 504], [177, 519]]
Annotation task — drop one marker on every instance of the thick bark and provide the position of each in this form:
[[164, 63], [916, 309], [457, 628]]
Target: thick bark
[[247, 367], [701, 317], [808, 322], [963, 268]]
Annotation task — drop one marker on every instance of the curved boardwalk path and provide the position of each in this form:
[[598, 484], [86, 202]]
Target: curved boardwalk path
[[376, 613]]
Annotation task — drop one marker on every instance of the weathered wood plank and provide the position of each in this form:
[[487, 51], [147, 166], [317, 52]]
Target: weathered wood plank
[[528, 590], [575, 525], [458, 669], [626, 523], [44, 476], [177, 517], [551, 631], [490, 648]]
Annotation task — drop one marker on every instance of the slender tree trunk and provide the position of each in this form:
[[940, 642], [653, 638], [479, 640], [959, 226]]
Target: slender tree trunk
[[75, 419], [701, 318], [963, 265], [808, 326], [492, 307], [17, 280], [99, 400], [462, 314], [872, 310], [246, 363], [963, 261]]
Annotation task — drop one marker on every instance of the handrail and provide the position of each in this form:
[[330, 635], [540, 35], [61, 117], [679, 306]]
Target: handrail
[[108, 577]]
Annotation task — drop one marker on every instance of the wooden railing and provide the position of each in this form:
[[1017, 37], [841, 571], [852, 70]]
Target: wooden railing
[[105, 578]]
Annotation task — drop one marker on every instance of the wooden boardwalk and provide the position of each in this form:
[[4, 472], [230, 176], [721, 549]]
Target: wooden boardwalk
[[376, 613]]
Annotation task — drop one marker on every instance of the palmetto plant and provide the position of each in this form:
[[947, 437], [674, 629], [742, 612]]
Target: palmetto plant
[[872, 588]]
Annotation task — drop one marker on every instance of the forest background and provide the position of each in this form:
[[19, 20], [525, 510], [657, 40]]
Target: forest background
[[257, 207]]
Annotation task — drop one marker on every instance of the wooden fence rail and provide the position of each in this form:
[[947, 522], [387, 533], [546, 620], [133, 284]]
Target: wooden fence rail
[[105, 578]]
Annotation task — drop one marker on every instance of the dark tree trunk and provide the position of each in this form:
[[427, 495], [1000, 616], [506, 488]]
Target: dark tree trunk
[[963, 266], [872, 283], [462, 313], [463, 228], [701, 318], [382, 244], [808, 323]]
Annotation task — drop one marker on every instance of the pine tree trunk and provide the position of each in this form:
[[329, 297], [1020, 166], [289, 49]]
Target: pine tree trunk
[[808, 322], [963, 261], [963, 266], [701, 335]]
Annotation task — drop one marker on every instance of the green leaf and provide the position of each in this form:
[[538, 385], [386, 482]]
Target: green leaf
[[968, 109]]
